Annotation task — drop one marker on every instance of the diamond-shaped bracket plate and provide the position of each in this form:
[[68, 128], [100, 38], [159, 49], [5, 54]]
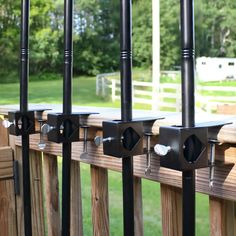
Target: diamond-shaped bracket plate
[[125, 138], [192, 148], [130, 138], [188, 147]]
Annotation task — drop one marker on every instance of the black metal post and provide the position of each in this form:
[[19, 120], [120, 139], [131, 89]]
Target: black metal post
[[126, 111], [67, 109], [188, 111], [24, 76]]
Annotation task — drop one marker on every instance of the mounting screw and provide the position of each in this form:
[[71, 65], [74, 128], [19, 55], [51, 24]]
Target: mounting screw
[[45, 129], [99, 140], [41, 143], [212, 162], [148, 155], [85, 147]]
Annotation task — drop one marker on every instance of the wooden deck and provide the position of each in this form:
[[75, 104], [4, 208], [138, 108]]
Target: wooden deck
[[221, 197]]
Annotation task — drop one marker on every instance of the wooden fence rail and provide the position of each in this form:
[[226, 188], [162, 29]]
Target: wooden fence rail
[[45, 182], [169, 95]]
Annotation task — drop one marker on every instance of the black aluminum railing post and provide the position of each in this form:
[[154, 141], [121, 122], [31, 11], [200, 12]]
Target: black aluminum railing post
[[24, 76], [67, 109], [188, 111], [126, 111]]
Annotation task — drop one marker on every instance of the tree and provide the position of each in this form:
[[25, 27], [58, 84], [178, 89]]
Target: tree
[[9, 36], [142, 33], [170, 34], [96, 45], [215, 29]]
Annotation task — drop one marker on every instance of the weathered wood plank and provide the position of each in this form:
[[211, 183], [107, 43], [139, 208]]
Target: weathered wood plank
[[171, 203], [6, 162], [19, 198], [225, 176], [222, 212], [4, 138], [36, 177], [52, 203], [8, 225], [100, 206], [227, 134], [138, 207], [222, 217], [76, 200]]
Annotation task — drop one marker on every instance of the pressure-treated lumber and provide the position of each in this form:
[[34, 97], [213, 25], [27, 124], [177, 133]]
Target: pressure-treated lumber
[[7, 208], [222, 217], [171, 204], [36, 178], [100, 201], [51, 183], [224, 181], [225, 176], [36, 192], [138, 207], [222, 212], [76, 200], [6, 163], [3, 135], [19, 199], [227, 134]]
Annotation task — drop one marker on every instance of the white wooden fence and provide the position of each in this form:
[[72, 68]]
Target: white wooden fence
[[169, 94]]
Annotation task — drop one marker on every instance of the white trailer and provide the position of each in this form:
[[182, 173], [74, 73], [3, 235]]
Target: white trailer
[[215, 68]]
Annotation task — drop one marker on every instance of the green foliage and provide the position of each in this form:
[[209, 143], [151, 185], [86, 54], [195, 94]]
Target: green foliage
[[170, 36], [215, 28], [142, 33], [96, 35], [96, 43]]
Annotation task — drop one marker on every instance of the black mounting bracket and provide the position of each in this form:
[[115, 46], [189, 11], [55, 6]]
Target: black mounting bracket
[[125, 138], [187, 147], [22, 123], [65, 128]]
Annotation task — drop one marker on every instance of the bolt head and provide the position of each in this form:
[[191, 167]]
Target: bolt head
[[161, 150], [98, 140], [148, 171], [46, 129], [41, 146]]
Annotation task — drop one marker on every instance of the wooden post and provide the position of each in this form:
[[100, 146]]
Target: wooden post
[[3, 135], [138, 207], [7, 195], [36, 177], [38, 226], [171, 203], [52, 194], [76, 200], [99, 194], [222, 217]]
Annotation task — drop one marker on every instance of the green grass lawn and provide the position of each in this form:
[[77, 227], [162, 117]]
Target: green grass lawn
[[51, 92], [84, 94]]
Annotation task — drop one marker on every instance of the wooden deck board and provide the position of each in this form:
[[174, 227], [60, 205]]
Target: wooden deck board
[[225, 176]]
